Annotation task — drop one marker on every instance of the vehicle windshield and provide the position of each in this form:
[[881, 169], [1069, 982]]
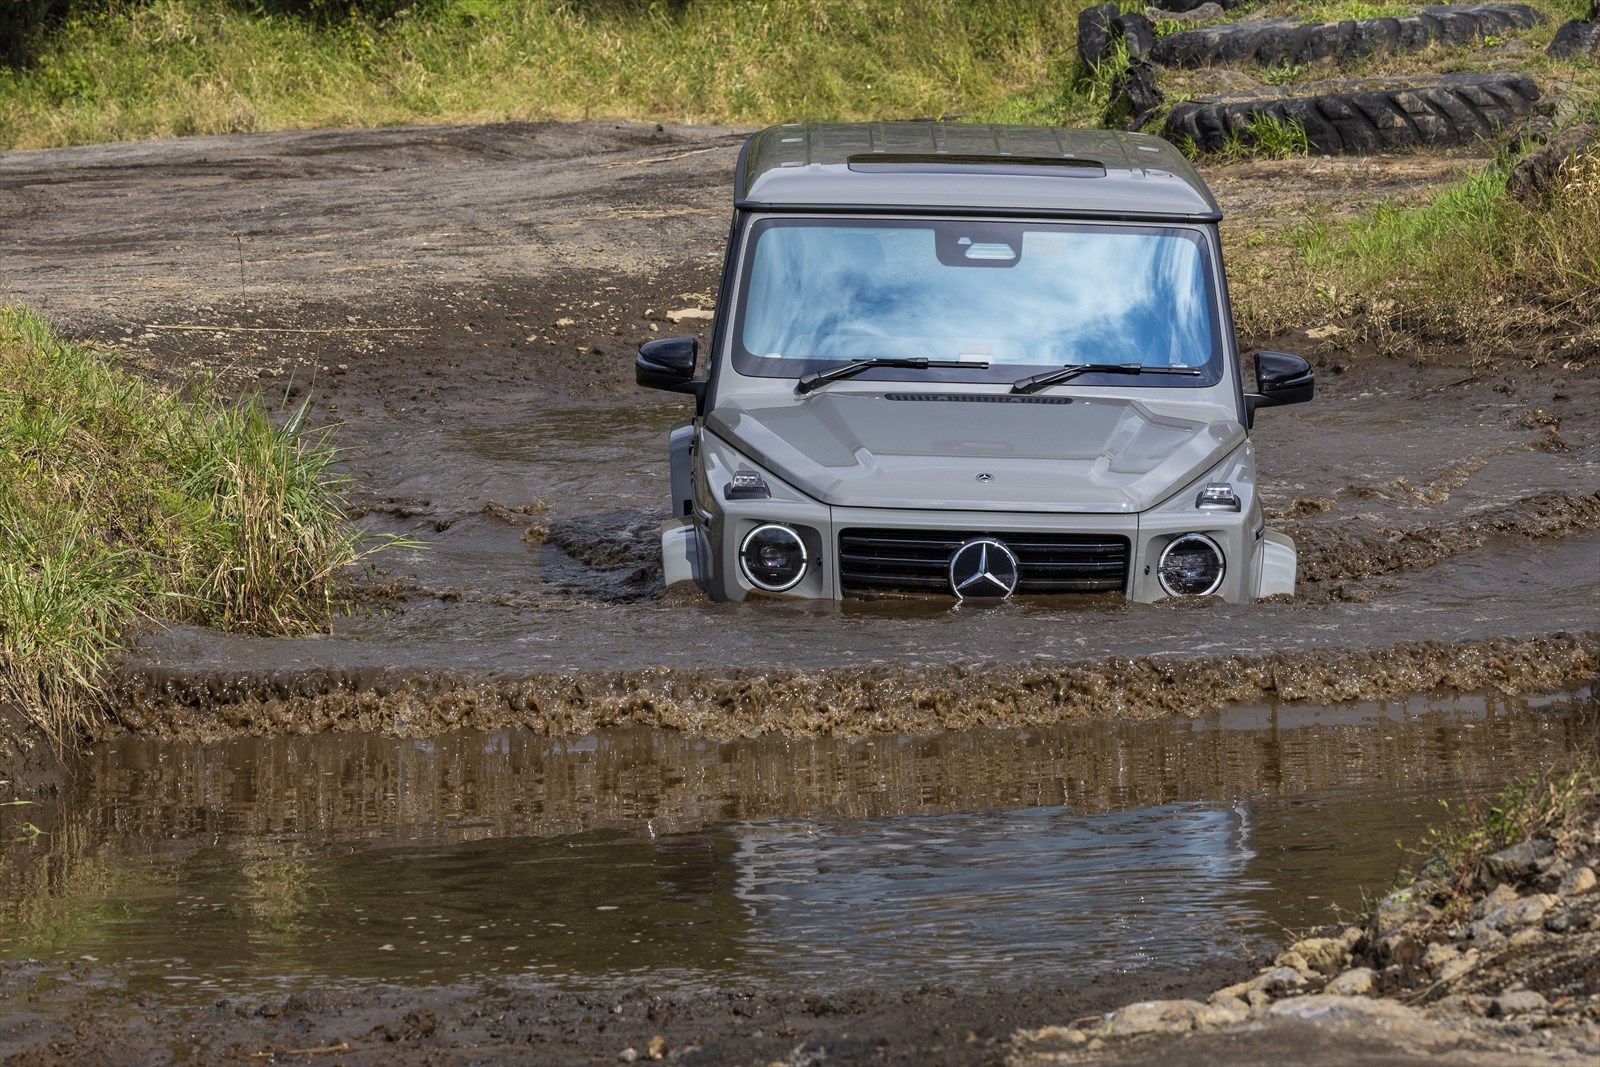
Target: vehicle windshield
[[1021, 296]]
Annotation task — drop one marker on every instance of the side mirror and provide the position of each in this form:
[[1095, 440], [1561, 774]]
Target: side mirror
[[1283, 379], [668, 363]]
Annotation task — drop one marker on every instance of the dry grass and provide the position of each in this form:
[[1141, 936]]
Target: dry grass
[[1473, 267], [121, 502], [178, 67]]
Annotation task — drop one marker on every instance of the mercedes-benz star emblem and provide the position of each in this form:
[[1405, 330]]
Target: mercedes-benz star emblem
[[983, 568], [986, 477]]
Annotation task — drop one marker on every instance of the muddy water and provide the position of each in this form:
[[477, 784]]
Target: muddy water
[[977, 858]]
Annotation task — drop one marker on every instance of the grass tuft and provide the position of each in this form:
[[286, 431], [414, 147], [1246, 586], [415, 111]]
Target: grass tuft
[[1474, 266], [122, 502], [1540, 805]]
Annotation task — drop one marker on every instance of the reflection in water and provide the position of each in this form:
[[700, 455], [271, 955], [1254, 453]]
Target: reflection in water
[[986, 857]]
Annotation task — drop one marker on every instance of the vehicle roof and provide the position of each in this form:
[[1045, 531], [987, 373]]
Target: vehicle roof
[[971, 168]]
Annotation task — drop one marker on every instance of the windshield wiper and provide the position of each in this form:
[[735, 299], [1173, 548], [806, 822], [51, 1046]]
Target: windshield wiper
[[817, 379], [1072, 370]]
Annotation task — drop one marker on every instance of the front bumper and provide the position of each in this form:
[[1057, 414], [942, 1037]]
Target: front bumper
[[1258, 562]]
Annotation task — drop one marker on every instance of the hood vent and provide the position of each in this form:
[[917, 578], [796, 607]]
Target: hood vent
[[976, 398]]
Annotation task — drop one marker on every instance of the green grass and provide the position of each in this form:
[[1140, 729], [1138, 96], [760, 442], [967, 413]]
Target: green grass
[[1267, 137], [122, 502], [177, 67], [1472, 267], [1545, 804]]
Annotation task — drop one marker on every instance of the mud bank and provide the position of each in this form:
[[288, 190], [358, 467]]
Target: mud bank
[[1488, 962], [843, 702]]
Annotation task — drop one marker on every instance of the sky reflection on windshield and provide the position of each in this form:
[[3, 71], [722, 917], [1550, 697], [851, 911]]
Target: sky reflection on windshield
[[841, 291]]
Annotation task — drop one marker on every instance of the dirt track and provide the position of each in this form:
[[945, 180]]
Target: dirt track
[[462, 305]]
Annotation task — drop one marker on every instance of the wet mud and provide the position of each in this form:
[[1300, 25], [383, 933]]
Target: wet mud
[[908, 900], [842, 702], [517, 702]]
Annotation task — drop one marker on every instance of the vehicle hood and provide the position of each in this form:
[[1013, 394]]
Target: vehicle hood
[[932, 450]]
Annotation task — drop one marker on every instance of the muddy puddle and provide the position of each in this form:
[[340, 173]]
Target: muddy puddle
[[979, 859]]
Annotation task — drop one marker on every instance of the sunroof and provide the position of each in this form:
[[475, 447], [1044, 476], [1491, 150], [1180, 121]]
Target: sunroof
[[949, 163]]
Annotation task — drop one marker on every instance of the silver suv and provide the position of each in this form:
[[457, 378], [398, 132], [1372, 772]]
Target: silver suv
[[970, 361]]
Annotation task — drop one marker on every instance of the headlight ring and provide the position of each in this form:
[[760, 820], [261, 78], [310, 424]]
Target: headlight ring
[[773, 557], [1191, 565]]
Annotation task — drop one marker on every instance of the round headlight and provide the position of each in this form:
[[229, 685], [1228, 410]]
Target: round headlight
[[773, 557], [1192, 565]]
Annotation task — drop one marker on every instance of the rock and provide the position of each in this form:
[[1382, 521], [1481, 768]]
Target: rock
[[658, 1047], [628, 1055], [1295, 962], [1323, 955], [1403, 949], [1281, 981], [1393, 912], [1438, 954], [1510, 864], [1094, 33], [1524, 911], [1352, 935], [1356, 982], [1326, 1007], [1456, 968], [1577, 882], [1518, 1003], [1486, 938], [1498, 897], [1222, 1011], [1458, 1004], [690, 314], [1525, 938], [1155, 1017], [1580, 37], [1558, 924], [1206, 12]]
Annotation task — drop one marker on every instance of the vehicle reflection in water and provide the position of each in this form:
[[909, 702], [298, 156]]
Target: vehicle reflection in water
[[976, 858]]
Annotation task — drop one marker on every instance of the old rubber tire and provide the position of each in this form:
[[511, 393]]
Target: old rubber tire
[[1286, 42], [1352, 117]]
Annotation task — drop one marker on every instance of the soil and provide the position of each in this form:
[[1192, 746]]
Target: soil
[[461, 305]]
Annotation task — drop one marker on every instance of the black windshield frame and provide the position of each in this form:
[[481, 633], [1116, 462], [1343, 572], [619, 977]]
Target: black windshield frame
[[1002, 373]]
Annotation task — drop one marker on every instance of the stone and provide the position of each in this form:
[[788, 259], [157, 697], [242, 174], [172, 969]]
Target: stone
[[1281, 981], [1356, 982], [1351, 937], [628, 1055], [1451, 970], [1517, 1003], [1327, 1007], [1222, 1012], [1295, 962], [1524, 911], [1525, 938], [1558, 924], [1438, 954], [1324, 955], [1207, 12], [690, 315], [1155, 1017], [1535, 176], [1498, 897], [1510, 864], [1578, 881], [1486, 938]]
